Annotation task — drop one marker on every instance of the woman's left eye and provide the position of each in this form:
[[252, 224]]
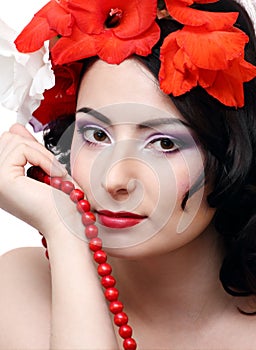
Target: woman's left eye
[[164, 144]]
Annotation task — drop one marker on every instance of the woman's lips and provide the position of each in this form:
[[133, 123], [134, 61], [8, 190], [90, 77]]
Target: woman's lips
[[119, 219]]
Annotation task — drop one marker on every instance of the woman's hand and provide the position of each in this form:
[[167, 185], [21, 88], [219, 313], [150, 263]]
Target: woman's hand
[[77, 299], [27, 199]]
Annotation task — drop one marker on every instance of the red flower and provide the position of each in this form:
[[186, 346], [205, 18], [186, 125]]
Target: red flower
[[212, 59], [61, 99], [111, 29]]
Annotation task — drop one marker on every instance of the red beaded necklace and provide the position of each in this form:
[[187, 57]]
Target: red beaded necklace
[[95, 244]]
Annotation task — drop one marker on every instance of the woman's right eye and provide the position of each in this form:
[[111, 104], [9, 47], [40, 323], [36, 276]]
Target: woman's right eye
[[94, 135]]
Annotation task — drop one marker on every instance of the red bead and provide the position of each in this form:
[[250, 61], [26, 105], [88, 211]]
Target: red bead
[[120, 319], [88, 218], [116, 307], [44, 243], [83, 205], [100, 256], [40, 175], [67, 187], [56, 182], [108, 281], [129, 344], [95, 244], [76, 195], [91, 231], [46, 254], [47, 179], [35, 172], [125, 331], [32, 172], [111, 294], [104, 269]]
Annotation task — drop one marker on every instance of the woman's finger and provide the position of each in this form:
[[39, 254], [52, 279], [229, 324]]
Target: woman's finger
[[9, 143], [19, 129]]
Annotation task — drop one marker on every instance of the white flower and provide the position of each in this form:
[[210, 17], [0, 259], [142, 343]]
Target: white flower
[[23, 77]]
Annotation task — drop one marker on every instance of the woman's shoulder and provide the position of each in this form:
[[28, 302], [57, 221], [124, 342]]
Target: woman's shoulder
[[25, 299], [22, 252], [20, 264]]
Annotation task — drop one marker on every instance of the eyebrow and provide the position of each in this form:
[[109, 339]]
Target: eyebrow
[[162, 121], [146, 124], [95, 114]]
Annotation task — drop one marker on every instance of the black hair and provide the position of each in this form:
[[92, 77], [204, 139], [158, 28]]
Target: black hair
[[228, 136]]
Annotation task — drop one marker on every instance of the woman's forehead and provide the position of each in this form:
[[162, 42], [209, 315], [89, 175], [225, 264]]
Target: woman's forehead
[[129, 86]]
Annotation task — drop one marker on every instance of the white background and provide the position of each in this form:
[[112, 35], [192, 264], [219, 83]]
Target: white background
[[15, 233]]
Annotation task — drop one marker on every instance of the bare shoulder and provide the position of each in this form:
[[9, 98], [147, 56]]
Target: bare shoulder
[[24, 265], [25, 299]]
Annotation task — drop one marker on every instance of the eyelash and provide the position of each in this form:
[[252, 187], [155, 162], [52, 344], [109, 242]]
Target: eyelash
[[94, 129], [169, 141]]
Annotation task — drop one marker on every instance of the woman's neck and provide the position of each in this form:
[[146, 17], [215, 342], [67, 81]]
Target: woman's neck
[[182, 282]]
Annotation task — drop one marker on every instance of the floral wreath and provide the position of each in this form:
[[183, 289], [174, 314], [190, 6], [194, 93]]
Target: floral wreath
[[208, 50]]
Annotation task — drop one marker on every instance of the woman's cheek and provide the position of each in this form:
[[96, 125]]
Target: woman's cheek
[[81, 164], [189, 168]]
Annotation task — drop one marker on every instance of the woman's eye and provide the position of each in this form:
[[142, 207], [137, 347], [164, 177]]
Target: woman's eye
[[163, 144], [94, 135], [99, 135]]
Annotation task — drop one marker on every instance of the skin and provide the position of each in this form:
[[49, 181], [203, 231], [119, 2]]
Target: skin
[[168, 280]]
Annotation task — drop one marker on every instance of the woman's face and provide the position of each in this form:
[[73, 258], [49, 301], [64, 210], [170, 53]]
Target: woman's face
[[136, 159]]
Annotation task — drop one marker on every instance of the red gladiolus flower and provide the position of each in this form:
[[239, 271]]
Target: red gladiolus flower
[[61, 99], [111, 29], [212, 59]]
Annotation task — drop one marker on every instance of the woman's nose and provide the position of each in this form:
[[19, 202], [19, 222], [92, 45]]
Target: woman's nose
[[120, 179]]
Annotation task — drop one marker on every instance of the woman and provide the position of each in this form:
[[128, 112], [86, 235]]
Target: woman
[[171, 182]]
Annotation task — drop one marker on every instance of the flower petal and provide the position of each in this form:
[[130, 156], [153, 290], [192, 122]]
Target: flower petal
[[180, 11], [138, 16], [32, 38], [89, 15], [78, 46], [6, 89], [247, 70], [174, 78], [212, 50], [206, 77], [24, 77], [227, 90], [228, 86], [114, 50], [34, 35], [92, 15], [61, 99], [144, 42], [59, 20]]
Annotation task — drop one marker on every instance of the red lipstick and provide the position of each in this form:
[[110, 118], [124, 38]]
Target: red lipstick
[[119, 219]]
